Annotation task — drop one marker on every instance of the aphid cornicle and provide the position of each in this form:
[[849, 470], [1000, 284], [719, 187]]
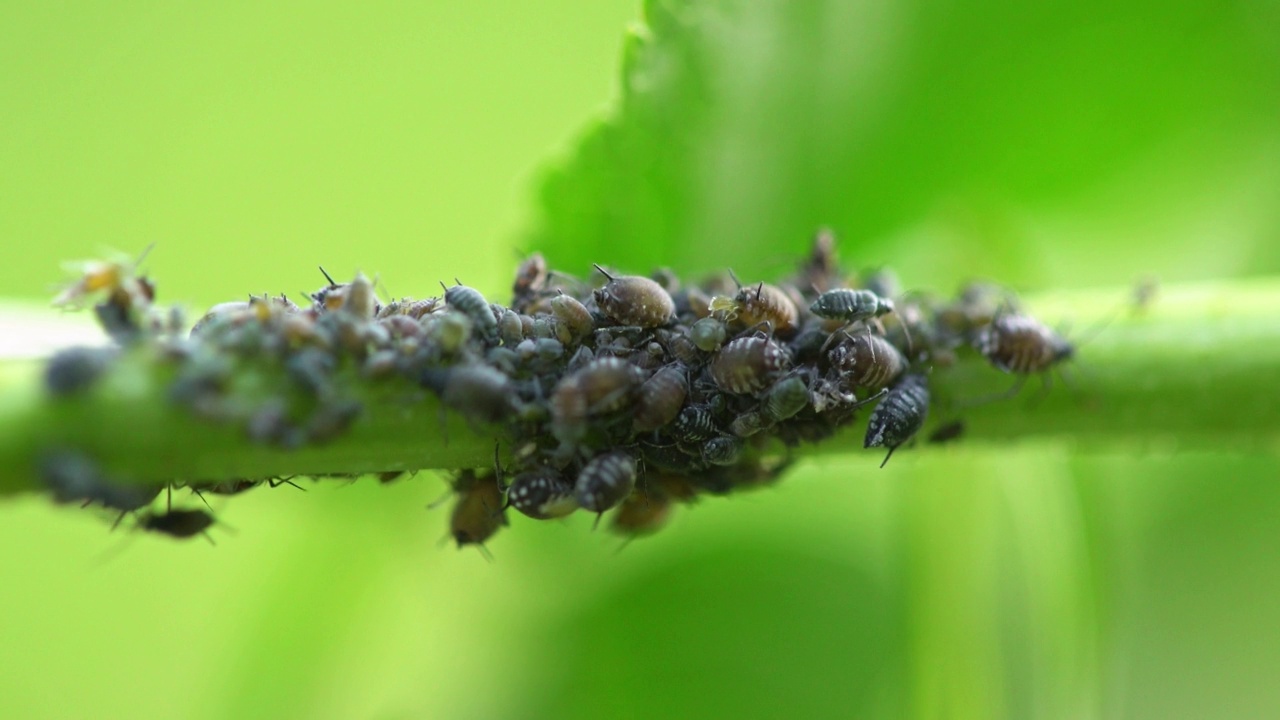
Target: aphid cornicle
[[1022, 345], [899, 416], [766, 304], [865, 360], [471, 303], [605, 481], [748, 364], [660, 398], [542, 494], [478, 513], [850, 305], [634, 300]]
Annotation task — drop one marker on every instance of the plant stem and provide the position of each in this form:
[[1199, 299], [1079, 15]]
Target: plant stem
[[1200, 367]]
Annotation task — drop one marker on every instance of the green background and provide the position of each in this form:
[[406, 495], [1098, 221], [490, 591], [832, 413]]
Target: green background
[[1070, 145]]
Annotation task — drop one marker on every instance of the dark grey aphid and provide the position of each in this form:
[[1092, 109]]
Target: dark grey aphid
[[723, 450], [76, 369], [471, 303], [785, 397], [311, 369], [605, 481], [694, 424], [180, 524], [73, 477], [479, 392], [865, 360], [542, 494], [331, 419], [510, 328], [899, 416], [750, 423], [850, 305], [947, 432]]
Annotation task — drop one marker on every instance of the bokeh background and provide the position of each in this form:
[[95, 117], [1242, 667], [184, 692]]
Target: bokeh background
[[1061, 145]]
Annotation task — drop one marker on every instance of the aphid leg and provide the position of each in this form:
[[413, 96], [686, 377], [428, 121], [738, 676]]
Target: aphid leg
[[277, 482], [119, 517], [198, 494], [596, 524], [484, 552], [209, 537], [873, 398], [1046, 386]]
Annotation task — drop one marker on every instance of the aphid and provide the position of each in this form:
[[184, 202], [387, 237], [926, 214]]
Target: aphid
[[74, 370], [269, 422], [642, 514], [748, 364], [180, 524], [471, 303], [332, 418], [220, 312], [361, 299], [660, 398], [785, 398], [603, 387], [694, 424], [510, 329], [750, 423], [531, 280], [605, 481], [947, 432], [634, 300], [850, 305], [380, 364], [478, 513], [73, 477], [899, 416], [479, 392], [722, 450], [865, 360], [1145, 290], [116, 276], [821, 270], [573, 319], [1021, 345], [764, 304], [311, 369], [449, 332], [708, 334], [542, 494]]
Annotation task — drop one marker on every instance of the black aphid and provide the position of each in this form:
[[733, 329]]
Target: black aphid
[[899, 416]]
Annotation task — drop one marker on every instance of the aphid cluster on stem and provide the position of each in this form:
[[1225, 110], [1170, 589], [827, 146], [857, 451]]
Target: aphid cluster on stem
[[616, 392]]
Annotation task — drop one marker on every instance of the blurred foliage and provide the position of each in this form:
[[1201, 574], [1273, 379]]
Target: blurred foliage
[[1059, 144]]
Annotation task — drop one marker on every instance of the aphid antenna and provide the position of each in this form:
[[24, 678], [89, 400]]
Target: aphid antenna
[[277, 482], [602, 271], [326, 276], [996, 397], [198, 494], [595, 525]]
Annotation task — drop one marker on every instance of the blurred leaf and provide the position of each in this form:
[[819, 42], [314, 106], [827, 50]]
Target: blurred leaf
[[997, 139]]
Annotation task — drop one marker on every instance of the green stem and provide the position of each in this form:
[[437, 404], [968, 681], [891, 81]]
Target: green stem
[[1200, 367]]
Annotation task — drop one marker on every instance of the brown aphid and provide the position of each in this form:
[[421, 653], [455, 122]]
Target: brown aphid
[[642, 513], [478, 513], [531, 280], [478, 391], [748, 364], [542, 494], [766, 304], [573, 319], [867, 361], [821, 271], [661, 397], [634, 300], [602, 387], [1022, 345]]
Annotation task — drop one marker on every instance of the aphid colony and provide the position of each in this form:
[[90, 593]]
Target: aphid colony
[[612, 393]]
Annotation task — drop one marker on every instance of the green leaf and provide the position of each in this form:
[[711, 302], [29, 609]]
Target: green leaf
[[1008, 140]]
